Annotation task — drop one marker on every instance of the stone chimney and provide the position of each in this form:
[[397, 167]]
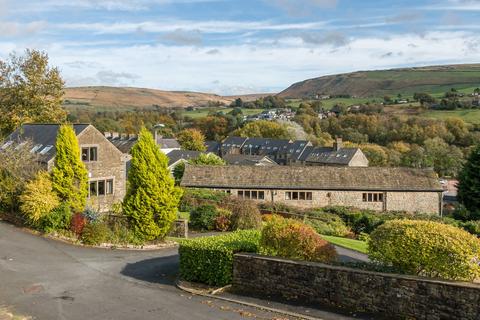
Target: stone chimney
[[338, 144], [107, 134]]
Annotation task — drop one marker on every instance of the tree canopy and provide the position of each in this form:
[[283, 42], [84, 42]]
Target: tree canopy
[[469, 184], [191, 139], [30, 91], [69, 175], [152, 198]]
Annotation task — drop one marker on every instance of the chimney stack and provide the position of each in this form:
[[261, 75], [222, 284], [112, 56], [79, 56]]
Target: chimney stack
[[338, 144]]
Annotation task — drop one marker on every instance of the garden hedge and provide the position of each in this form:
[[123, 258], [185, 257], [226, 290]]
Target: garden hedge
[[426, 248], [209, 260]]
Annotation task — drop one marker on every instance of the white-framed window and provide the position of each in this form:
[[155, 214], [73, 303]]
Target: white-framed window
[[299, 195], [372, 197], [89, 154], [251, 194], [100, 187]]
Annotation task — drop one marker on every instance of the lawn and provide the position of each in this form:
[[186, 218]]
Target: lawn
[[468, 115], [357, 245]]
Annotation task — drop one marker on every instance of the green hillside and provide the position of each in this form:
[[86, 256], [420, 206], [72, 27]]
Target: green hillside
[[406, 81]]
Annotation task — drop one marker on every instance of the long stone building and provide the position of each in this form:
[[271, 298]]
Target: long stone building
[[380, 189]]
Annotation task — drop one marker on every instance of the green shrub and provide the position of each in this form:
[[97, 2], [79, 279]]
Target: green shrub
[[58, 219], [471, 226], [292, 239], [210, 260], [95, 233], [38, 198], [121, 233], [193, 198], [426, 248], [223, 221], [327, 224], [245, 214], [203, 217]]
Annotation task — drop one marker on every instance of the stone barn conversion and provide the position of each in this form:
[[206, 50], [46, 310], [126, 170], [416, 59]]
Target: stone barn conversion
[[380, 189], [105, 163]]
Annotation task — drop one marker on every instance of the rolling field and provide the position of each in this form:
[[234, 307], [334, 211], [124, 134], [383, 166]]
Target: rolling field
[[200, 113], [469, 115]]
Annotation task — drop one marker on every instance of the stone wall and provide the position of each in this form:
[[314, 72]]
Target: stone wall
[[421, 202], [179, 229], [389, 295]]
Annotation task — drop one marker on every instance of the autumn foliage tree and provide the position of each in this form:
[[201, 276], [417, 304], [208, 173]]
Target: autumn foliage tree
[[191, 139], [30, 91], [69, 175], [152, 198]]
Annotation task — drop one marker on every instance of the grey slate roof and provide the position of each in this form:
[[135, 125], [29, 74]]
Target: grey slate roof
[[213, 147], [42, 136], [311, 178], [175, 155], [247, 160], [124, 144], [326, 155], [165, 143]]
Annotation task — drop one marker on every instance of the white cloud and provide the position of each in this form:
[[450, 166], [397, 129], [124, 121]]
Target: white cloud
[[456, 5], [13, 29], [186, 25], [254, 68]]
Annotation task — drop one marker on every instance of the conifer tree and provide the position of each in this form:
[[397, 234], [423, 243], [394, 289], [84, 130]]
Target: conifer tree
[[152, 198], [469, 184], [69, 175]]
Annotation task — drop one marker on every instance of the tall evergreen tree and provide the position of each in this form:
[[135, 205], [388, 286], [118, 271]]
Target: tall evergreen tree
[[152, 199], [469, 184], [69, 175]]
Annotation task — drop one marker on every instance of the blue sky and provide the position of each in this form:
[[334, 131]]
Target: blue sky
[[237, 46]]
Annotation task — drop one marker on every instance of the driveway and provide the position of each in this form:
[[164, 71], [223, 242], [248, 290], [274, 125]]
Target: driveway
[[51, 280]]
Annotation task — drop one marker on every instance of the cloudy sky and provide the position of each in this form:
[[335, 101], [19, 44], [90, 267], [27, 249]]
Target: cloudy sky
[[237, 46]]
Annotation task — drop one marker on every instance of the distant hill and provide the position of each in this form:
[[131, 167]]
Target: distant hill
[[406, 81], [106, 98]]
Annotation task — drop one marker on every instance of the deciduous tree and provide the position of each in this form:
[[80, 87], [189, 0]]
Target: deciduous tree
[[191, 139], [469, 184], [30, 91]]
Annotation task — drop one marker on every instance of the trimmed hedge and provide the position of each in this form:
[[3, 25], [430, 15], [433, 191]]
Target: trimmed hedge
[[292, 239], [426, 248], [210, 260]]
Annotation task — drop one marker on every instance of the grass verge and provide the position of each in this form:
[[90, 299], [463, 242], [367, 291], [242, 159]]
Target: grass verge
[[357, 245]]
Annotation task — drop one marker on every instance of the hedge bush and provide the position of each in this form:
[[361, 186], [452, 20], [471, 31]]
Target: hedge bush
[[210, 260], [58, 219], [426, 248], [292, 239], [193, 198], [245, 214], [327, 224], [223, 221], [95, 233], [203, 217]]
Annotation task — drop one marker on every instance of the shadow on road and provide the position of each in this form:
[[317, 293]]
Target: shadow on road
[[162, 270]]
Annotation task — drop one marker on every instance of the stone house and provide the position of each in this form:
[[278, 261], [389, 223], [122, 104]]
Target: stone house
[[333, 156], [248, 160], [105, 163], [379, 189]]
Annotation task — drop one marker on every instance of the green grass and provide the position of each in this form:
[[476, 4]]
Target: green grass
[[468, 115], [203, 112], [329, 103], [357, 245]]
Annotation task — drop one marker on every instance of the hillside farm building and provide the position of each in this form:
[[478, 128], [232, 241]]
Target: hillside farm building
[[379, 189]]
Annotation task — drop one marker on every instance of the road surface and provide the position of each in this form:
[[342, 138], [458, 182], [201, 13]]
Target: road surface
[[50, 280]]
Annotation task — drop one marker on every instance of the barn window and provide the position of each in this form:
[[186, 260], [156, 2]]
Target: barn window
[[372, 197]]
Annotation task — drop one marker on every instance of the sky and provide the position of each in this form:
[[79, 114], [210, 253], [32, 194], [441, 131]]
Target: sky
[[236, 46]]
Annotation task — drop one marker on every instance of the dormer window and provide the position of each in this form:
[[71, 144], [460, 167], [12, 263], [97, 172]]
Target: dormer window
[[89, 154]]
